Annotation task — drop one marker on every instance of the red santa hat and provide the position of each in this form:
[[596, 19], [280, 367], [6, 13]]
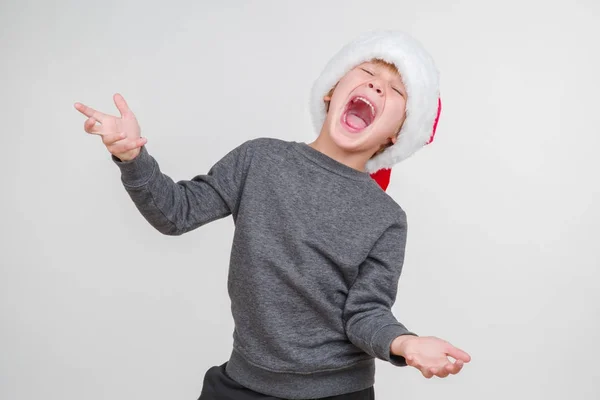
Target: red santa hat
[[421, 80]]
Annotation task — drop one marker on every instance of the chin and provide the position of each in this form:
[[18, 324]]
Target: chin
[[346, 140]]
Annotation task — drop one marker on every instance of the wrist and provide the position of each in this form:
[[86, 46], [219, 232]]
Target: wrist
[[398, 344], [129, 155]]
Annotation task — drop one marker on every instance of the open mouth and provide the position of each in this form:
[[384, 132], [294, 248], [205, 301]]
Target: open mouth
[[359, 114]]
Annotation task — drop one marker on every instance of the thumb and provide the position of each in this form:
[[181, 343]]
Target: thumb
[[122, 105], [458, 354]]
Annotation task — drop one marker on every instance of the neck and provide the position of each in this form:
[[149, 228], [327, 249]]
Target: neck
[[325, 145]]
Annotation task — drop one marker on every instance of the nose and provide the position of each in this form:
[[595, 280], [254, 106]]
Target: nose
[[376, 86]]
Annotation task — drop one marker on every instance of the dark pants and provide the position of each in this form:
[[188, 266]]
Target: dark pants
[[219, 386]]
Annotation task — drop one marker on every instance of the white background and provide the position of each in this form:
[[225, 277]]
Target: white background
[[502, 256]]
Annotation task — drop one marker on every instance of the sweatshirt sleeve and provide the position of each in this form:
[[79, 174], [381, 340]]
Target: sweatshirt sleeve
[[174, 208], [369, 321]]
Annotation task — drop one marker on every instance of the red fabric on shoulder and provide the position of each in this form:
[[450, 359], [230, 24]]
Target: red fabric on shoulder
[[382, 177]]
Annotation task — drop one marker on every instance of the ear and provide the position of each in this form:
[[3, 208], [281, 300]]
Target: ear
[[327, 100]]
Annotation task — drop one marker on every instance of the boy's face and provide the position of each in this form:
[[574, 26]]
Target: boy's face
[[367, 109]]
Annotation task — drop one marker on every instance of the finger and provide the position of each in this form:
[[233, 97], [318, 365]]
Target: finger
[[450, 368], [443, 371], [457, 354], [456, 367], [413, 361], [109, 140], [127, 145], [90, 112], [121, 105], [90, 126]]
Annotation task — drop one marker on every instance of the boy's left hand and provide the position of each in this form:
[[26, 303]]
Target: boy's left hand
[[430, 355]]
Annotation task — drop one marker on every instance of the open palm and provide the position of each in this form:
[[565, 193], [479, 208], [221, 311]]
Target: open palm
[[121, 136], [430, 355]]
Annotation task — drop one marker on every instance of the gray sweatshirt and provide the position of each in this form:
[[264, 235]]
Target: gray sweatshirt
[[317, 253]]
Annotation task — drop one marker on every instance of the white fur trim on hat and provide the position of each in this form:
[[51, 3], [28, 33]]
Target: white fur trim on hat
[[419, 75]]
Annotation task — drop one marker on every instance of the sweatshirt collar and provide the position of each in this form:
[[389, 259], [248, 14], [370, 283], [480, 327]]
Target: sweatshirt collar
[[324, 161]]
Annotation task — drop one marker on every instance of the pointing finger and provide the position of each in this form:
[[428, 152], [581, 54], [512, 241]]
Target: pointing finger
[[90, 112]]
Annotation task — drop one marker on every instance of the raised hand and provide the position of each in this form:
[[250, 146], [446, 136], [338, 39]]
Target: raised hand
[[121, 136], [430, 355]]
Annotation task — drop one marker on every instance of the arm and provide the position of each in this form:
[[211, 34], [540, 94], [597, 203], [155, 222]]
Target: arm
[[174, 208], [369, 321], [370, 324]]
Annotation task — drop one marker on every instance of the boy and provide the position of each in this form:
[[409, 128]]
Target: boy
[[318, 245]]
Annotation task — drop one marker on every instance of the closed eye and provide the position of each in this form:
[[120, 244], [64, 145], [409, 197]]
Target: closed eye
[[372, 74]]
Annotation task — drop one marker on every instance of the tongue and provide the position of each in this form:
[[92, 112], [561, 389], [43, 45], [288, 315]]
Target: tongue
[[355, 121]]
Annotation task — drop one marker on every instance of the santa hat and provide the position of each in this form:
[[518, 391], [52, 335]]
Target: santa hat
[[421, 80]]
